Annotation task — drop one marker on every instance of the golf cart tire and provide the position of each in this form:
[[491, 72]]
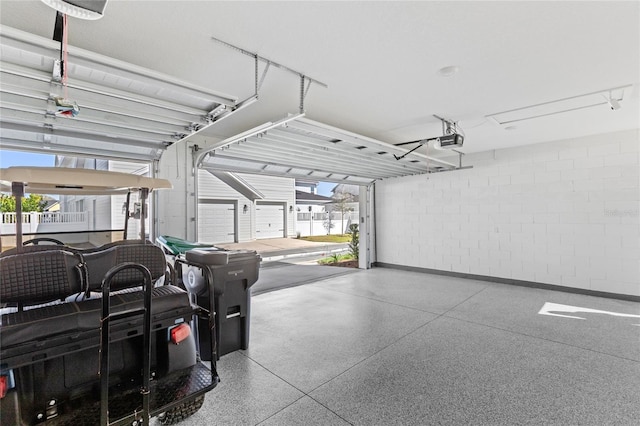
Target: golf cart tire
[[181, 412]]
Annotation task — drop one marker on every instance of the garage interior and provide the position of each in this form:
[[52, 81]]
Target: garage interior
[[499, 282]]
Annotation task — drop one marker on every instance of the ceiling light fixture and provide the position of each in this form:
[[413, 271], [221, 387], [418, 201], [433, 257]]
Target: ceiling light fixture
[[448, 71], [82, 9]]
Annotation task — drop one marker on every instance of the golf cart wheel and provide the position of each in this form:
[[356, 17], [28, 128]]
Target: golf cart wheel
[[181, 412]]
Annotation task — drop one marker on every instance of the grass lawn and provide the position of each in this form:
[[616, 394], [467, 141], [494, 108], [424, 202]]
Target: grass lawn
[[335, 258], [344, 238]]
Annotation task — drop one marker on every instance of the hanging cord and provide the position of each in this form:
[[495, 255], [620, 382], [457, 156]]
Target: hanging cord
[[60, 19], [65, 54], [64, 106]]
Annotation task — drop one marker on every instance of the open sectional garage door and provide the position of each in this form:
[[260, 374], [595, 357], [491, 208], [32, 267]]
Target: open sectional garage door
[[123, 111], [300, 148], [217, 221], [270, 220]]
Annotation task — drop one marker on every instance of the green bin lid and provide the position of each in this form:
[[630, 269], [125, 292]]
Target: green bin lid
[[178, 245]]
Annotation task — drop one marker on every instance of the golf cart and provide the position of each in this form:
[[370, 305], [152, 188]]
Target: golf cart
[[98, 335]]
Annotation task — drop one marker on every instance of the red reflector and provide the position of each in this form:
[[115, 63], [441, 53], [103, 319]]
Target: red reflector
[[179, 333], [4, 385]]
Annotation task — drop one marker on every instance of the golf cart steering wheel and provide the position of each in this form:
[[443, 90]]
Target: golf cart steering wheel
[[37, 241]]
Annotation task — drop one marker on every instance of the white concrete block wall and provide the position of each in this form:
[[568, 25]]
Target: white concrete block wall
[[565, 213]]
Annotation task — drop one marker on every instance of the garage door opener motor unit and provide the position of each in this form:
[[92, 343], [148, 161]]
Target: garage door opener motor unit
[[451, 139]]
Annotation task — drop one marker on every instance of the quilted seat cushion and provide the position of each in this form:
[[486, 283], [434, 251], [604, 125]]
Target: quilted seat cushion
[[33, 278]]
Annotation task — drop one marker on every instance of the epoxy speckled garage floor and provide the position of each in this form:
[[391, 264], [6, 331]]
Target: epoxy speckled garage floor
[[390, 347]]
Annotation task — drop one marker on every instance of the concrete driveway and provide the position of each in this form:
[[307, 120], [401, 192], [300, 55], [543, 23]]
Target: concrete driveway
[[275, 249], [281, 275], [280, 267]]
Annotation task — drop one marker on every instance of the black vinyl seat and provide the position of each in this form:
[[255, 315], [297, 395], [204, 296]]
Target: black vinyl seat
[[47, 276], [72, 318], [35, 278]]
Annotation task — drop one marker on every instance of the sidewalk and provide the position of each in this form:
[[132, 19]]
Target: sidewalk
[[274, 249]]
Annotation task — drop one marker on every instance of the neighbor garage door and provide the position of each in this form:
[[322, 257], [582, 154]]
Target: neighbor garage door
[[269, 220], [216, 221]]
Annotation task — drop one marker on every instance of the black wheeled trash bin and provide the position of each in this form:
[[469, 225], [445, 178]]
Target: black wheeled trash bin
[[229, 274]]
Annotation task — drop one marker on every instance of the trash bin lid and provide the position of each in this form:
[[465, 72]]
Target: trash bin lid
[[208, 256], [177, 245]]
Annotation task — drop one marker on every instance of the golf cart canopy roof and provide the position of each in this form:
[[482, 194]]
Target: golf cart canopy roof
[[69, 181]]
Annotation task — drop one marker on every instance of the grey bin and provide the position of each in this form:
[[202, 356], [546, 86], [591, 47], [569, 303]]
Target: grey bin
[[233, 272]]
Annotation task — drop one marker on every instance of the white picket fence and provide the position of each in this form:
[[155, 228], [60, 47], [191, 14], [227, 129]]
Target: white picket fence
[[46, 222], [308, 223]]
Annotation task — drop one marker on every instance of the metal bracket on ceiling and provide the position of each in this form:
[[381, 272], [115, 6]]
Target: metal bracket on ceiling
[[302, 93], [448, 126], [264, 75], [47, 140], [56, 73], [179, 136], [213, 114], [258, 83]]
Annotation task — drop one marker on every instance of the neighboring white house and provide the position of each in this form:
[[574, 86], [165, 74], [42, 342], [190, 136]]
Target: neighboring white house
[[104, 212], [234, 207], [231, 207], [78, 219], [311, 213], [307, 186], [347, 212], [320, 215], [352, 190]]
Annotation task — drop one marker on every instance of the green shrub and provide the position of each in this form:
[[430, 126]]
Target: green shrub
[[31, 203], [354, 244]]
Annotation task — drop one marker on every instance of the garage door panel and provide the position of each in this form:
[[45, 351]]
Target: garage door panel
[[216, 222], [270, 221]]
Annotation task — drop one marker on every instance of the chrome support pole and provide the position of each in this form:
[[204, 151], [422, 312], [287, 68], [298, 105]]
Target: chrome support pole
[[18, 192]]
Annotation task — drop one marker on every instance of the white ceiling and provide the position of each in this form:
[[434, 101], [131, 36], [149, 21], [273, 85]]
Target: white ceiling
[[380, 60]]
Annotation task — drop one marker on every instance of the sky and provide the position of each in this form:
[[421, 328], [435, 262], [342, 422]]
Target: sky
[[324, 188], [15, 158]]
